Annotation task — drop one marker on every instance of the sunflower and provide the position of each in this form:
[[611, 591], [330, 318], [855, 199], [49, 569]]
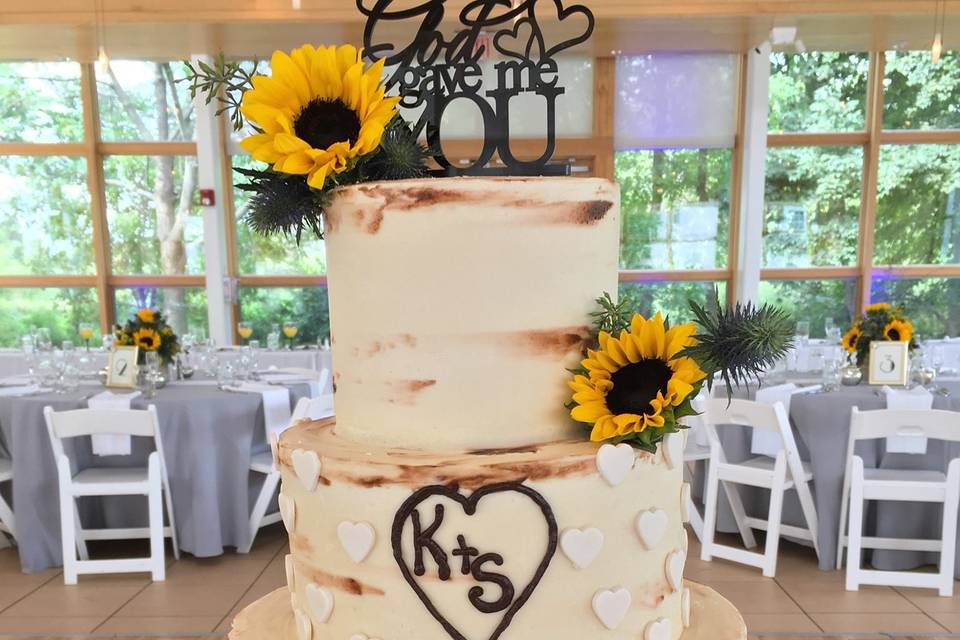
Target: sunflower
[[318, 110], [898, 330], [635, 380], [877, 306], [146, 339], [147, 315], [852, 338]]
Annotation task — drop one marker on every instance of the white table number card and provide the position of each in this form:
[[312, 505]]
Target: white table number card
[[122, 367], [888, 362]]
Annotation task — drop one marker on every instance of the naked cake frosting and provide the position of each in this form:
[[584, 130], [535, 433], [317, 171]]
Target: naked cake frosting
[[453, 497]]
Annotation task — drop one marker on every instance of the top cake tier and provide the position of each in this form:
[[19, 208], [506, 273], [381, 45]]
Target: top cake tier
[[457, 304]]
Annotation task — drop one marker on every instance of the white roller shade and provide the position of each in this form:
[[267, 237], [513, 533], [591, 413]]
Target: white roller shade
[[676, 100]]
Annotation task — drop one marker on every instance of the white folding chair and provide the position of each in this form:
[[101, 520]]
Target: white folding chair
[[7, 524], [860, 485], [322, 376], [151, 481], [262, 462], [784, 472]]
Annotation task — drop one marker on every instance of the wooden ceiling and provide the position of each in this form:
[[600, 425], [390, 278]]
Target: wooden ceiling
[[54, 29]]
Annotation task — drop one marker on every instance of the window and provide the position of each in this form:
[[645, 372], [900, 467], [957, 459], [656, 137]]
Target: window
[[40, 102], [60, 310], [184, 308], [674, 208], [154, 221], [932, 304], [45, 223], [670, 298], [812, 206], [818, 91], [919, 94], [813, 300], [307, 306], [143, 101]]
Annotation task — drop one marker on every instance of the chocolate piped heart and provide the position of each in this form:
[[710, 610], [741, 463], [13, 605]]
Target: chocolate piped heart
[[429, 538]]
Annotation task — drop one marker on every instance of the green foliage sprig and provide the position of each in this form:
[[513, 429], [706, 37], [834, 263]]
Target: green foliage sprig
[[739, 342], [223, 81], [611, 317]]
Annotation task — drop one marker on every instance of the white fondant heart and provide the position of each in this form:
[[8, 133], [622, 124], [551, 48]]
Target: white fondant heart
[[306, 464], [611, 606], [361, 636], [674, 569], [288, 511], [685, 502], [356, 538], [319, 602], [651, 525], [615, 462], [275, 450], [685, 607], [581, 547], [673, 449], [288, 569], [304, 626], [684, 540], [293, 601], [659, 629]]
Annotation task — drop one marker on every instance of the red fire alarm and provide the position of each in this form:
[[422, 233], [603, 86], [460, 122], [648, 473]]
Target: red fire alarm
[[207, 198]]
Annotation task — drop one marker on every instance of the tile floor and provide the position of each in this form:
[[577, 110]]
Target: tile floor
[[201, 597]]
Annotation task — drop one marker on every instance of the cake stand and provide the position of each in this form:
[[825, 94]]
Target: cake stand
[[712, 617]]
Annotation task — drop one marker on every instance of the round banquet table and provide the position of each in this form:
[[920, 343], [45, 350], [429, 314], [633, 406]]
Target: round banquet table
[[821, 424], [208, 437]]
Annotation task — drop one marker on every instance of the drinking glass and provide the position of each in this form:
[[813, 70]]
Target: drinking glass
[[290, 330], [226, 375], [831, 374], [43, 339], [152, 361], [273, 338], [85, 332], [245, 330], [803, 332], [106, 342]]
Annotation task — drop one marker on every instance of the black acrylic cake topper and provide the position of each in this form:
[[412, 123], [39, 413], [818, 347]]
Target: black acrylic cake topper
[[464, 559], [432, 71]]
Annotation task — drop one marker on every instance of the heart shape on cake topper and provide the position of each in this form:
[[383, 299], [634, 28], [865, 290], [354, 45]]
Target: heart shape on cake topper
[[520, 41], [563, 13], [511, 599]]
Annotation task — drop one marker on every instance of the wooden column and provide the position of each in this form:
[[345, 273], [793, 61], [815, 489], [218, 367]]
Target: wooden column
[[604, 78], [871, 162], [98, 205]]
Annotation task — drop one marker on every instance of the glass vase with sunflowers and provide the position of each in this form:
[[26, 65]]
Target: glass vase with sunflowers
[[148, 330], [880, 321]]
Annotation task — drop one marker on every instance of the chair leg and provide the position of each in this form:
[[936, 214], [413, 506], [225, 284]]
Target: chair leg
[[264, 501], [739, 514], [155, 502], [809, 513], [6, 518], [844, 507], [68, 538], [772, 546], [168, 501], [81, 541], [949, 533], [709, 514], [855, 527]]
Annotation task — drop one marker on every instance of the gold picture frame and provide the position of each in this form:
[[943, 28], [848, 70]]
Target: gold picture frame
[[122, 367], [889, 362]]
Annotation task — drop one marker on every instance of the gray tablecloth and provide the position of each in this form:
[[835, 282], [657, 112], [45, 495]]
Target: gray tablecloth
[[208, 439], [821, 423]]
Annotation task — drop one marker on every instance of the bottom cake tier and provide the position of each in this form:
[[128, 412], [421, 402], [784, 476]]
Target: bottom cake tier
[[712, 617], [563, 540]]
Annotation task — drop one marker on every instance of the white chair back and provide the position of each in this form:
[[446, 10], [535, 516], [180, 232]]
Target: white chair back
[[886, 423], [313, 408], [90, 422]]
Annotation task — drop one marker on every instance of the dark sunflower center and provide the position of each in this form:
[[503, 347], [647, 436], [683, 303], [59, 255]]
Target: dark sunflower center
[[147, 341], [324, 122], [636, 384], [893, 334]]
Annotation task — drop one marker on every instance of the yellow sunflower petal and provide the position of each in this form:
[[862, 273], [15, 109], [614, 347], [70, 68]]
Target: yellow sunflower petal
[[629, 347], [627, 423], [590, 412]]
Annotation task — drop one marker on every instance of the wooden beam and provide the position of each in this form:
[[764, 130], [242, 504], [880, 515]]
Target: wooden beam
[[283, 281], [98, 203], [918, 271], [868, 193], [147, 148], [780, 139], [808, 273], [47, 281], [931, 136], [157, 281], [604, 99], [679, 275], [43, 149]]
